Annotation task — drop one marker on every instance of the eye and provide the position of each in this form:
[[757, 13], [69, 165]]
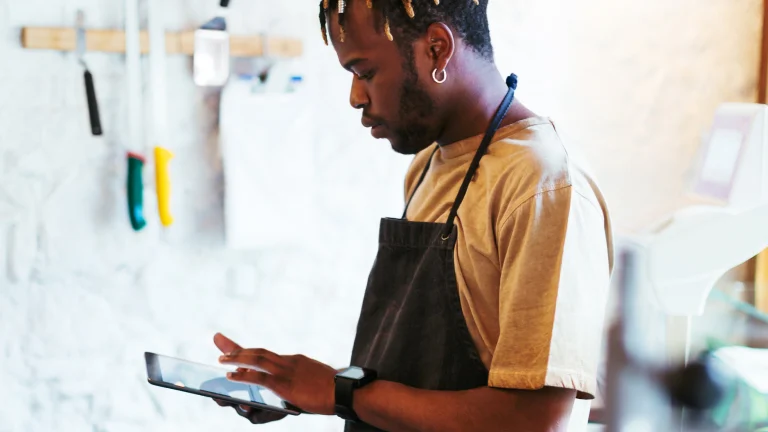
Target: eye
[[367, 76]]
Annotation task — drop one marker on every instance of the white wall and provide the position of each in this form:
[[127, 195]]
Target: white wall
[[644, 80], [92, 295], [83, 296]]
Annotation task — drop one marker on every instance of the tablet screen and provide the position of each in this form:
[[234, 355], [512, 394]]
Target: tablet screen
[[183, 374]]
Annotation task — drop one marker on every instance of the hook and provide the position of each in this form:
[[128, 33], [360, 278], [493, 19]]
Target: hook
[[266, 52], [80, 23], [266, 56]]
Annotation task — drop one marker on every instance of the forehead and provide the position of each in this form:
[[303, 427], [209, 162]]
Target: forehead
[[363, 29]]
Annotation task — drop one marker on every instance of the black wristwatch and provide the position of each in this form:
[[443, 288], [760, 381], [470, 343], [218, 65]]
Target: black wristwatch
[[347, 381]]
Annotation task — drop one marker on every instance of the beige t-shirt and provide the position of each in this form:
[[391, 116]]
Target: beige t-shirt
[[533, 258]]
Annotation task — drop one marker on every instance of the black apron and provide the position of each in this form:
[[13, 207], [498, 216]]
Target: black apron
[[411, 328]]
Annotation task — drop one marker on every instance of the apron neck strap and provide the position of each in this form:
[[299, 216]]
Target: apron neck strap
[[421, 180], [489, 134]]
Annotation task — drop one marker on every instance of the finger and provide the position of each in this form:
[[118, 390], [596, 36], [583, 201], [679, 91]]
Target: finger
[[259, 352], [243, 411], [257, 416], [246, 376], [222, 403], [256, 362], [262, 417], [225, 344]]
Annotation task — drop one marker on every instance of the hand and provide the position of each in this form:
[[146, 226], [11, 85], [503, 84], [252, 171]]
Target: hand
[[255, 416], [301, 381]]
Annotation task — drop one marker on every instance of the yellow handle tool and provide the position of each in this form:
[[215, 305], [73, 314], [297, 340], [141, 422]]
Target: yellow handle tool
[[162, 160], [160, 136]]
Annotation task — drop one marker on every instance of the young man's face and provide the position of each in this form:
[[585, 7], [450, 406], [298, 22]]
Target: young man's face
[[386, 86]]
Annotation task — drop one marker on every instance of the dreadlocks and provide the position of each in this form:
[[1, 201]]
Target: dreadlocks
[[409, 19]]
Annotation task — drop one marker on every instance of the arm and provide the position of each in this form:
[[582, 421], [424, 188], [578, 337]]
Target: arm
[[309, 385], [395, 407], [553, 284]]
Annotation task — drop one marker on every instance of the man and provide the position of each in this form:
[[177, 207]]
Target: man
[[484, 310]]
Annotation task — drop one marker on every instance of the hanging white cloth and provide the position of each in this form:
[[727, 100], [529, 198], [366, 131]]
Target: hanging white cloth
[[267, 139]]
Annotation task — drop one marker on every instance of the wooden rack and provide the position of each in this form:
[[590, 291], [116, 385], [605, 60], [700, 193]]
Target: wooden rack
[[113, 41]]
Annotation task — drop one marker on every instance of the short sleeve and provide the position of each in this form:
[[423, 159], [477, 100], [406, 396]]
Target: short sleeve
[[555, 274]]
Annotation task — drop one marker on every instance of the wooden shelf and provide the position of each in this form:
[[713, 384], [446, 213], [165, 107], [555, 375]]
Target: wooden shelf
[[113, 41]]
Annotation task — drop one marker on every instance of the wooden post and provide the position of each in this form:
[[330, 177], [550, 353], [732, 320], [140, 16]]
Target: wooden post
[[761, 265], [762, 86]]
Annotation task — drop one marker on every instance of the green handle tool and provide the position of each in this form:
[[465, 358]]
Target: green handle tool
[[136, 191]]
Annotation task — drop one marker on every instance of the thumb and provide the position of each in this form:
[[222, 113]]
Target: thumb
[[224, 344]]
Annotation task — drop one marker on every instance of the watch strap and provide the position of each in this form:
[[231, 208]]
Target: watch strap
[[345, 390]]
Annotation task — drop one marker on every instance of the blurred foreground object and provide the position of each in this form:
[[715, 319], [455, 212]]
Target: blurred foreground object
[[670, 270], [643, 391], [745, 404]]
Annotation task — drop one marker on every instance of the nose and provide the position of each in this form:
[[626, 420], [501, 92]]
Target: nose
[[358, 97]]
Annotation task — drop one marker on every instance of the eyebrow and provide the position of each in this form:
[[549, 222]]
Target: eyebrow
[[350, 64]]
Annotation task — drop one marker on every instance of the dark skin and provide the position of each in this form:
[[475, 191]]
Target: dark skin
[[443, 113]]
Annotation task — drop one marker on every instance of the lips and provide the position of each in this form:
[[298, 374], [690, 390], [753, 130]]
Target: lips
[[378, 131], [377, 127]]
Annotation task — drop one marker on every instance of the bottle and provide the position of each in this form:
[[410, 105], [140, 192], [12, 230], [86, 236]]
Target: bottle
[[295, 83]]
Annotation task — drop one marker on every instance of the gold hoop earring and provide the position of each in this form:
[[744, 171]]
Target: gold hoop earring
[[445, 76]]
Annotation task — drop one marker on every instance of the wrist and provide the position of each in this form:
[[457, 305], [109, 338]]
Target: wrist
[[347, 384], [362, 398]]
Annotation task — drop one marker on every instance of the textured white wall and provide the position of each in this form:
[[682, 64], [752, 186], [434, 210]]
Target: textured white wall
[[81, 296], [643, 83]]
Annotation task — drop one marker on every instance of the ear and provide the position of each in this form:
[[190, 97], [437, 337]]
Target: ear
[[442, 45]]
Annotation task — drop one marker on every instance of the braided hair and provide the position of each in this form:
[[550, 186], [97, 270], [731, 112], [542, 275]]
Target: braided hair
[[407, 20]]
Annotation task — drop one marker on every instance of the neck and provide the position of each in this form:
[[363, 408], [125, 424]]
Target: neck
[[476, 102]]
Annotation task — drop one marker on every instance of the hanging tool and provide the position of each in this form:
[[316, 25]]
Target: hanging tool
[[212, 44], [90, 88], [160, 136], [135, 136]]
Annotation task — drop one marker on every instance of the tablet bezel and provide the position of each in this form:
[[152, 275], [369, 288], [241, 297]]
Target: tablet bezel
[[154, 377]]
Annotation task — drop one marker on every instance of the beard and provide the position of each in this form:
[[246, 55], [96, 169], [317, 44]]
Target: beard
[[416, 108]]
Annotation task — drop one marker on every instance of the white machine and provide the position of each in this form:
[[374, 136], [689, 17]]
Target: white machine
[[676, 264], [686, 255]]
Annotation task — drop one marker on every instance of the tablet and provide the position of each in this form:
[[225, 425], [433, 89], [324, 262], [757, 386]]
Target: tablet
[[212, 382]]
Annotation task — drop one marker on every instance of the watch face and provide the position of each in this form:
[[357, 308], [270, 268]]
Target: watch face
[[353, 373]]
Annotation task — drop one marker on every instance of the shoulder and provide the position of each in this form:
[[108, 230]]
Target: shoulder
[[529, 159], [538, 175]]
